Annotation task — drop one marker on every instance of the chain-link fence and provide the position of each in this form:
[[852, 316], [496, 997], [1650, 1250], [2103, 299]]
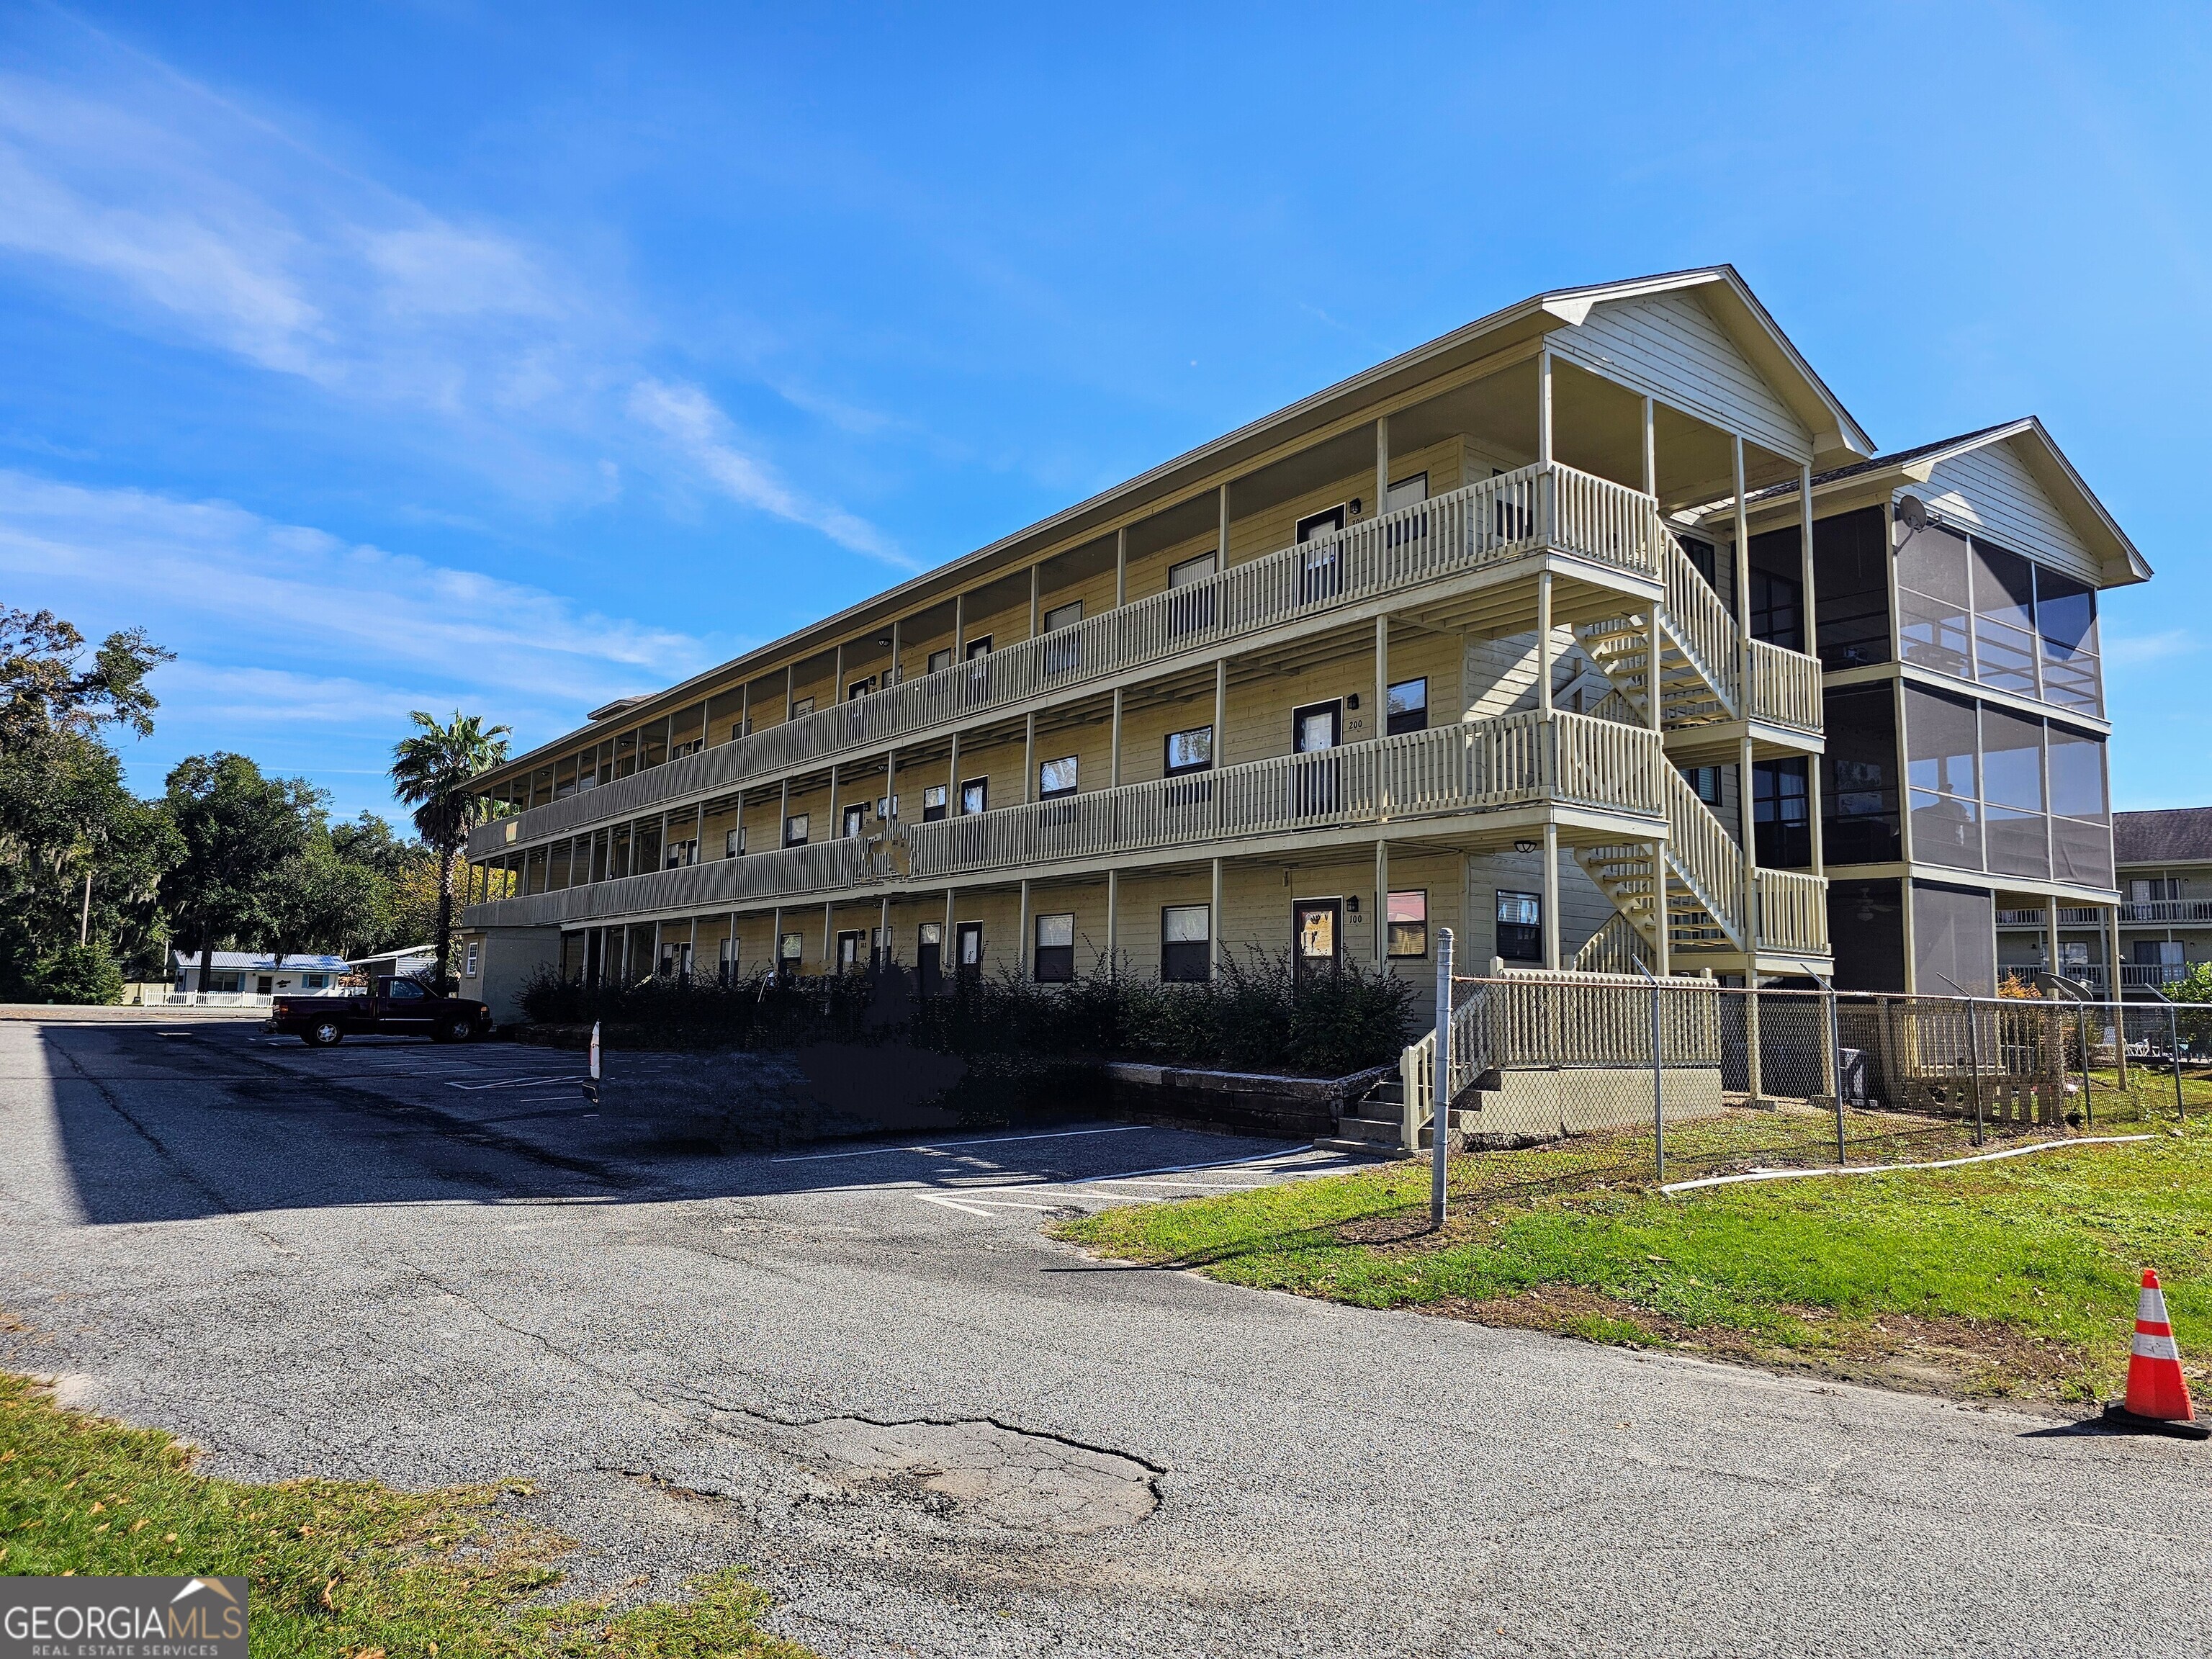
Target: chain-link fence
[[1632, 1077]]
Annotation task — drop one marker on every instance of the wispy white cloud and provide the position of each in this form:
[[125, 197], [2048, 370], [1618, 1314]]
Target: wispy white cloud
[[690, 419], [160, 206], [2134, 649], [238, 587]]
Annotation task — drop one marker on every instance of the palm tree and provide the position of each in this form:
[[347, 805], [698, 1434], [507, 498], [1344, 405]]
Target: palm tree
[[432, 772]]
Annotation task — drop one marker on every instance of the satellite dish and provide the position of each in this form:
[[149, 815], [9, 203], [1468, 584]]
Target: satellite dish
[[1912, 513]]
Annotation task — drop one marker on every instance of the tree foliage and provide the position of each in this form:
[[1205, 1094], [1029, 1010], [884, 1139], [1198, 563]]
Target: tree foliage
[[79, 854], [238, 829], [434, 771]]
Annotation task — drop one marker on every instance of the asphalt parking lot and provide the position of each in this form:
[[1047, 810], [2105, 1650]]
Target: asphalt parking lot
[[864, 1371]]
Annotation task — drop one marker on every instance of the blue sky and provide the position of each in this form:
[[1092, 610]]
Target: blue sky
[[441, 354]]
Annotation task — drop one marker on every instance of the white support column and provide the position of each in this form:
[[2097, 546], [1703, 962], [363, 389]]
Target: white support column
[[1746, 828], [891, 787], [1552, 897], [790, 689], [882, 942], [1220, 712], [782, 817], [1743, 572], [1815, 813], [1028, 759], [1381, 905], [1655, 660], [959, 630], [1221, 539], [948, 959], [1544, 409], [1121, 567], [1544, 658], [1036, 579], [1114, 920], [1022, 942], [775, 941], [891, 674], [837, 690], [1382, 463], [837, 815], [1114, 767], [2050, 934], [1214, 921], [952, 784], [1381, 719], [692, 966], [1663, 950], [744, 711], [829, 938]]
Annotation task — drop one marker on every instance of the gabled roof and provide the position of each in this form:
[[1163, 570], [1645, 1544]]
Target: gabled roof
[[2123, 562], [2175, 834], [1733, 306], [263, 962], [1756, 334]]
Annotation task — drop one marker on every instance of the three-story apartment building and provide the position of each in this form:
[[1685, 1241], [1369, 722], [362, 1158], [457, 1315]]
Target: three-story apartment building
[[1508, 632]]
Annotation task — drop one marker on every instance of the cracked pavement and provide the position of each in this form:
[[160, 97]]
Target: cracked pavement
[[864, 1374]]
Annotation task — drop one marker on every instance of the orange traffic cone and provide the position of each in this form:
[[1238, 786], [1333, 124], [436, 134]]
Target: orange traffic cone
[[2158, 1394]]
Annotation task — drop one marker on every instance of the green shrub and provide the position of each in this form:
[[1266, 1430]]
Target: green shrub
[[83, 974], [1256, 1015]]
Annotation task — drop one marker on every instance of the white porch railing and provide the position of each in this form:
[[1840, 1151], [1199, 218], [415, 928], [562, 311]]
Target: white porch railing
[[1530, 510], [2156, 910], [1793, 912], [1785, 687], [1476, 767]]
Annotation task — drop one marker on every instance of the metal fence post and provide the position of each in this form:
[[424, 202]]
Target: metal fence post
[[1974, 1061], [1658, 1078], [1836, 1052], [2082, 1025], [2173, 1042], [1440, 1107]]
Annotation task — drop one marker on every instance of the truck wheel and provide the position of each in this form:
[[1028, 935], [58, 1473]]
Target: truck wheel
[[323, 1034], [459, 1029]]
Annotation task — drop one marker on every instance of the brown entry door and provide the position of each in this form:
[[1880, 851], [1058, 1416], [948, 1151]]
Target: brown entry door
[[1316, 936]]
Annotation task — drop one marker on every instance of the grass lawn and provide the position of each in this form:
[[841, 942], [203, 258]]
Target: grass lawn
[[337, 1568], [2014, 1278]]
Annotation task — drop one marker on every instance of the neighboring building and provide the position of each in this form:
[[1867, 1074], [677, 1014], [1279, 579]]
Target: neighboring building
[[1505, 634], [1964, 777], [255, 974], [2164, 860], [398, 964]]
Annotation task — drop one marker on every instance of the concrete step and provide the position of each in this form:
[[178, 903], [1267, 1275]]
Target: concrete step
[[1379, 1129]]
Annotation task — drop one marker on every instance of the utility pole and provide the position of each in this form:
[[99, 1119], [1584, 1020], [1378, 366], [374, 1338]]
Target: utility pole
[[84, 916]]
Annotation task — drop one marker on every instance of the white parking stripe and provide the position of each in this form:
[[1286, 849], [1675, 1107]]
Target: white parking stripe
[[957, 1145]]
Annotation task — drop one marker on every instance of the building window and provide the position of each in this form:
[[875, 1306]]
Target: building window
[[733, 843], [968, 949], [859, 687], [1065, 655], [321, 982], [1705, 781], [679, 853], [789, 948], [979, 648], [1781, 825], [1407, 707], [795, 829], [1063, 616], [848, 952], [1520, 926], [1407, 917], [1858, 773], [801, 706], [856, 823], [1942, 752], [940, 661], [1055, 949], [1186, 943], [2066, 623], [1190, 751], [933, 803], [1056, 778], [975, 796], [1192, 583]]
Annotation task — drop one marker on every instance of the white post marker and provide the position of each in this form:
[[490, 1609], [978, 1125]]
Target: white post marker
[[592, 1083], [1440, 1101]]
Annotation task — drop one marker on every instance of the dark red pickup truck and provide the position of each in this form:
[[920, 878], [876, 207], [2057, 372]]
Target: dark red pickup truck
[[397, 1007]]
